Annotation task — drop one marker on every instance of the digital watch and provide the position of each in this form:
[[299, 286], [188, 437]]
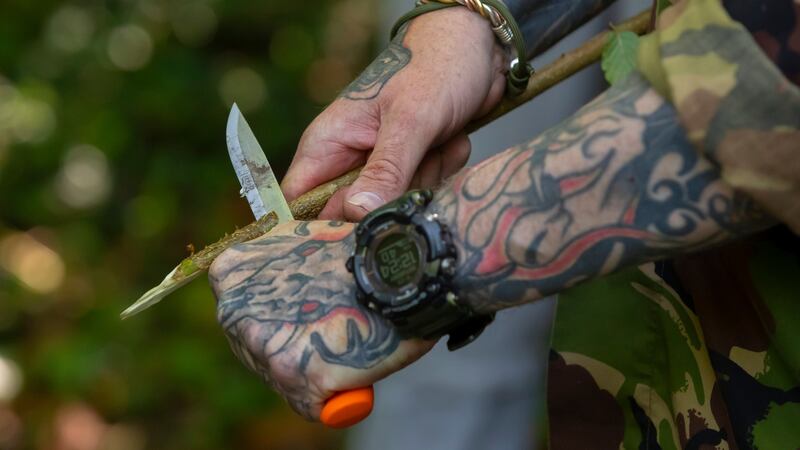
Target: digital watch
[[403, 264]]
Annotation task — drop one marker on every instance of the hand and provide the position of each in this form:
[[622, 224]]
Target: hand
[[404, 114], [288, 308]]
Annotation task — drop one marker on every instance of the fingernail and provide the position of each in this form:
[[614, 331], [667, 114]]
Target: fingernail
[[366, 200]]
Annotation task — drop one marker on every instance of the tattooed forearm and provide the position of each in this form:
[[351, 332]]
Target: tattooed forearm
[[392, 60], [545, 22], [615, 185], [284, 299]]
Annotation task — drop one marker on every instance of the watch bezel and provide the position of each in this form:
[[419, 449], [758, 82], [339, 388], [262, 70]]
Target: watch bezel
[[430, 309], [424, 228]]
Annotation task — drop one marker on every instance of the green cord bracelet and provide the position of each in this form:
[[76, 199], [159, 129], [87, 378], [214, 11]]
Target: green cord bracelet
[[520, 71]]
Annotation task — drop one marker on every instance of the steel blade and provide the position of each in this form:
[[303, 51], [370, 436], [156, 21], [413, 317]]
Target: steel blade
[[255, 175]]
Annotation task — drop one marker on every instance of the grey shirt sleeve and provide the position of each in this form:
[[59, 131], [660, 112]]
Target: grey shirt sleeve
[[545, 22]]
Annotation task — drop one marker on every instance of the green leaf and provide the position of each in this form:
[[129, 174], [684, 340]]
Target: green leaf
[[619, 55]]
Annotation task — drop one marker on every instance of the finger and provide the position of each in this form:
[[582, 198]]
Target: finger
[[334, 209], [455, 154], [309, 170], [335, 143], [306, 173], [402, 142], [415, 180], [428, 175], [442, 162]]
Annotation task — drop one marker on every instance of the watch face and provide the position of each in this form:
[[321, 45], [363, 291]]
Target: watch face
[[395, 261]]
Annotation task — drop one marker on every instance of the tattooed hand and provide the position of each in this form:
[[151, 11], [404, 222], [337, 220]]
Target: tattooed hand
[[403, 114], [288, 308]]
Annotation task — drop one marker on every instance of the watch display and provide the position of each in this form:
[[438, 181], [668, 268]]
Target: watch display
[[397, 258]]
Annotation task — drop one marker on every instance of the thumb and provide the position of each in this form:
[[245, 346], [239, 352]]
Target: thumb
[[399, 149]]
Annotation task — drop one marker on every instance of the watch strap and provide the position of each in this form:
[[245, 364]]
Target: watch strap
[[442, 316]]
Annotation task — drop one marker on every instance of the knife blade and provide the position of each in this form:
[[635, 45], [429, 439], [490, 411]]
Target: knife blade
[[264, 194], [255, 175]]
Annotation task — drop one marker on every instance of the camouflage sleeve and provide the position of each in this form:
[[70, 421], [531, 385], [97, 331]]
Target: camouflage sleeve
[[775, 27], [736, 104], [545, 22]]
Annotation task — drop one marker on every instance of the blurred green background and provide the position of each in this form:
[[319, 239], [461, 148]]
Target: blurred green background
[[112, 160]]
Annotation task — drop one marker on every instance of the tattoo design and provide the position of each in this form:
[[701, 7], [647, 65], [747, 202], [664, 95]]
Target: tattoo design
[[282, 300], [617, 184], [392, 60]]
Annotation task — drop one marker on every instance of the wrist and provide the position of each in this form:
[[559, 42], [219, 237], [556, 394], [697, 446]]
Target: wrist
[[445, 206], [455, 20], [435, 30]]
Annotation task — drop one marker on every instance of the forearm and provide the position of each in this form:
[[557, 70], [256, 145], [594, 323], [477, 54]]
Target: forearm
[[545, 22], [615, 185]]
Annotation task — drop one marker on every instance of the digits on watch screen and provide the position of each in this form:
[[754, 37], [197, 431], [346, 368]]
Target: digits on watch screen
[[397, 259]]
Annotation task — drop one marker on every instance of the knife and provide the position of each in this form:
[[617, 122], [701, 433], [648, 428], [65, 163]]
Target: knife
[[264, 195]]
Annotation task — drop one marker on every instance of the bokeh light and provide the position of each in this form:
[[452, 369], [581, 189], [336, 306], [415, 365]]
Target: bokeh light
[[69, 29], [243, 86], [36, 265], [84, 179], [326, 77], [153, 10], [22, 118], [130, 47], [347, 34], [78, 426], [10, 379], [194, 22]]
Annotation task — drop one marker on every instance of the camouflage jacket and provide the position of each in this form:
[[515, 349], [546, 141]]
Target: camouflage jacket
[[702, 351]]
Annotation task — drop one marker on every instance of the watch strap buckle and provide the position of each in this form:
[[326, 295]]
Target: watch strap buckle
[[468, 331]]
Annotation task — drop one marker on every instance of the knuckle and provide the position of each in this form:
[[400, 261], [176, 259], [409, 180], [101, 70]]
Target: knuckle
[[221, 266], [245, 356], [386, 172], [283, 368], [407, 118], [321, 128]]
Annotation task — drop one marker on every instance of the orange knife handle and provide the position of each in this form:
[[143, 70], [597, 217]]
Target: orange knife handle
[[347, 408]]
